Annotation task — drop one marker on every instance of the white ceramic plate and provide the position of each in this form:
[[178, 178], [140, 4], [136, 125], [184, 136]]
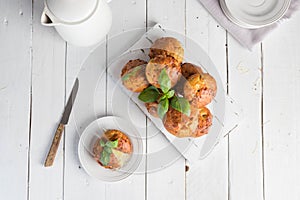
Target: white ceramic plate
[[233, 19], [254, 13], [92, 100], [95, 131], [192, 149]]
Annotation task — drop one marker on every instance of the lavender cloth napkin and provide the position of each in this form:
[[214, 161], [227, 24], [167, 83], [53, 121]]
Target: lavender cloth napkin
[[247, 37]]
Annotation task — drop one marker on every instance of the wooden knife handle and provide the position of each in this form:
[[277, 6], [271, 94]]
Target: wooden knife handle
[[55, 144]]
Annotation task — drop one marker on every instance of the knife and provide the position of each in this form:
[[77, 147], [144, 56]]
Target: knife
[[59, 131]]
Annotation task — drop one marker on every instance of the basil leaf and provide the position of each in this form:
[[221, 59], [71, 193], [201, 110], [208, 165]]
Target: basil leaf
[[149, 95], [163, 108], [112, 144], [107, 149], [162, 98], [132, 73], [102, 143], [164, 81], [104, 157], [170, 94], [181, 104]]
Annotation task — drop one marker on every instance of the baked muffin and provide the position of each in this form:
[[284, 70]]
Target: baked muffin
[[195, 125], [187, 70], [152, 108], [157, 64], [119, 154], [124, 143], [200, 89], [204, 122], [133, 75], [179, 124], [167, 46], [97, 150]]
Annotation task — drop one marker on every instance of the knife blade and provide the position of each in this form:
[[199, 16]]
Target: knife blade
[[64, 121]]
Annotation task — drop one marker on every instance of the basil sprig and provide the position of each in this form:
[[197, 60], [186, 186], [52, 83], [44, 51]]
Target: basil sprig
[[132, 73], [163, 97], [149, 95], [163, 108], [164, 81], [181, 104], [168, 95], [107, 150]]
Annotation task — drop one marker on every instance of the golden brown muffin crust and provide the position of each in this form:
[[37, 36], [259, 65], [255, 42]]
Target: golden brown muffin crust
[[133, 75], [200, 89], [204, 122], [189, 69], [132, 64], [195, 125], [157, 64], [152, 108], [124, 145], [179, 124], [167, 46]]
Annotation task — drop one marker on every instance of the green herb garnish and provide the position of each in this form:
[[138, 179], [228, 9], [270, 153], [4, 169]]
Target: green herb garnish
[[164, 81], [107, 150], [170, 94], [112, 144], [163, 108], [132, 73], [181, 104], [149, 95], [163, 97]]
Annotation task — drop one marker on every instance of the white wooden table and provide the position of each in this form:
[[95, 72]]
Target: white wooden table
[[258, 161]]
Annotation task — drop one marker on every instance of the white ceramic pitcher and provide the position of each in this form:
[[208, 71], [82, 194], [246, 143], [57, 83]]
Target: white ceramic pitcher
[[79, 22]]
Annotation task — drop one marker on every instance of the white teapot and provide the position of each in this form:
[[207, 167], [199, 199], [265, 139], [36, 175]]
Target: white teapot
[[79, 22]]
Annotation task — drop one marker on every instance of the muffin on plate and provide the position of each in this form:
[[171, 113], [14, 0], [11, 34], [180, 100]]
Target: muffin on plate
[[157, 64], [133, 75], [152, 108], [179, 124], [112, 150], [204, 122], [167, 46], [187, 70], [200, 89]]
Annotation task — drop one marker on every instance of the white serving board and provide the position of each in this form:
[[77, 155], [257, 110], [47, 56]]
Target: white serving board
[[192, 149]]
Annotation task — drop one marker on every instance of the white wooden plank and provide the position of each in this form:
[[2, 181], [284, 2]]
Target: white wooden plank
[[134, 186], [86, 186], [171, 180], [245, 143], [48, 96], [77, 183], [281, 112], [15, 67], [208, 179], [280, 128]]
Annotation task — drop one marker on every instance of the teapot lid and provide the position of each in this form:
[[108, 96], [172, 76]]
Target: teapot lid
[[71, 10]]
